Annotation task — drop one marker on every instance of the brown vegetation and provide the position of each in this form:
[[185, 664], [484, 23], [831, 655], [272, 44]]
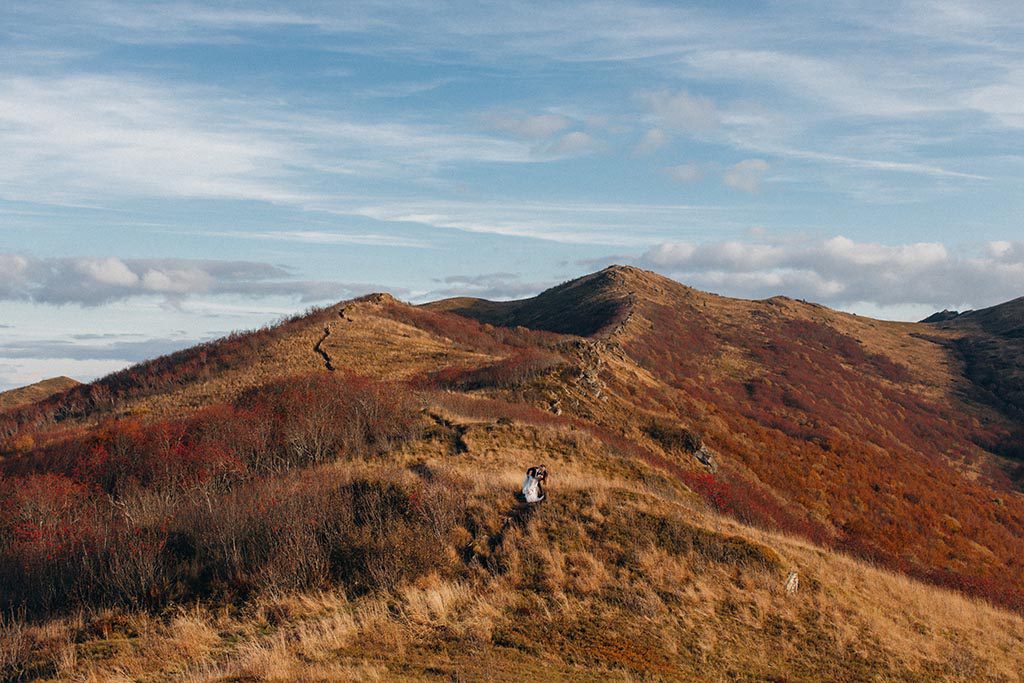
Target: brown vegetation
[[33, 393]]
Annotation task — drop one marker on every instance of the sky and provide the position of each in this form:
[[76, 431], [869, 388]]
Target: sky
[[172, 171]]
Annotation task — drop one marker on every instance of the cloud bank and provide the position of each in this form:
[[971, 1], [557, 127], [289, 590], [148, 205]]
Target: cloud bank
[[97, 281], [841, 272], [487, 286]]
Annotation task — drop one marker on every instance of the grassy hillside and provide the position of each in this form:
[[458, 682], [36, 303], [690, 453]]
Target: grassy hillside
[[33, 393], [870, 434], [332, 499]]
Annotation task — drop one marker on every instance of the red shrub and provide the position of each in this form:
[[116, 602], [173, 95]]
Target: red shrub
[[820, 421]]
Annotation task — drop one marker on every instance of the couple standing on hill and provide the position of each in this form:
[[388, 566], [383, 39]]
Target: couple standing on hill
[[533, 486]]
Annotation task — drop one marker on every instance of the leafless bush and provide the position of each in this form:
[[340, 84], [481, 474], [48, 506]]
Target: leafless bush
[[15, 646]]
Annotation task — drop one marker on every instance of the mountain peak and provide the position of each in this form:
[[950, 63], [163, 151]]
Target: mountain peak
[[634, 277], [586, 306], [590, 305]]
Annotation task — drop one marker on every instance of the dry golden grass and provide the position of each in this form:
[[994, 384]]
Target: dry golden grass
[[720, 625], [32, 393], [578, 599]]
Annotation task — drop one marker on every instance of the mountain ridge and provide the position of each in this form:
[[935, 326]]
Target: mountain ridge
[[692, 438]]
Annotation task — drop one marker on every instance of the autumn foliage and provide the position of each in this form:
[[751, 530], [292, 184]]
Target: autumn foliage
[[834, 430], [138, 512]]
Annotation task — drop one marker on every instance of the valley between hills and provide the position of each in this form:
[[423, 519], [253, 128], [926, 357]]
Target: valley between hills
[[331, 497]]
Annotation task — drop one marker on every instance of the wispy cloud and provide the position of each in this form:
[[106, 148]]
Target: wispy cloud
[[325, 237], [75, 137], [746, 175], [79, 137], [599, 223], [494, 286], [871, 164], [838, 86]]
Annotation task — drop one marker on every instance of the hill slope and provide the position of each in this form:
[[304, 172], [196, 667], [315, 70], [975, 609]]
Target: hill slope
[[33, 393], [990, 344], [343, 482], [868, 433]]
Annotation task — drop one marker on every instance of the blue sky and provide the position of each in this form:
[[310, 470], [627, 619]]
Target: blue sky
[[171, 171]]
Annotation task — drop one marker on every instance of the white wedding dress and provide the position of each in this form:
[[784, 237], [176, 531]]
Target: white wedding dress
[[531, 490]]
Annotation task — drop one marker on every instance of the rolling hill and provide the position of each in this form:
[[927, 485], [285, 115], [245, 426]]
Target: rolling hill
[[330, 497], [33, 393]]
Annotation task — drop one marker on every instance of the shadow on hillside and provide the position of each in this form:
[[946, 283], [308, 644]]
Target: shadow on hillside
[[518, 516]]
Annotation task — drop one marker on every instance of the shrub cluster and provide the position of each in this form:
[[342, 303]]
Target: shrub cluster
[[828, 425], [284, 424], [142, 513], [63, 549]]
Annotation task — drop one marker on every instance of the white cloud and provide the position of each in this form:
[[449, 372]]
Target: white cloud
[[841, 271], [574, 144], [682, 111], [108, 271], [685, 173], [536, 127], [746, 175], [187, 280], [97, 281], [841, 250], [651, 142]]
